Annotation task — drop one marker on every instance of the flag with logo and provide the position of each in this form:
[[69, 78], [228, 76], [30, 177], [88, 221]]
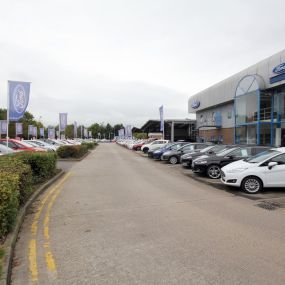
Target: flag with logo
[[3, 127], [89, 134], [85, 133], [35, 131], [42, 132], [18, 94], [19, 129], [161, 118], [62, 121], [75, 129], [30, 130], [51, 134]]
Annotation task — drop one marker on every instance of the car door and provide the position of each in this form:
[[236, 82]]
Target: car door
[[275, 177]]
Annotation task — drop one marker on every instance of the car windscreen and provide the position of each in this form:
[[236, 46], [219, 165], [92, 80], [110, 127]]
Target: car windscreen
[[22, 143], [263, 156], [207, 149], [226, 151], [186, 147]]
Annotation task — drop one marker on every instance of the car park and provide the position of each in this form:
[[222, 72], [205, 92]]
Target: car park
[[265, 169], [186, 159], [173, 156], [211, 164], [154, 145], [42, 144], [21, 145]]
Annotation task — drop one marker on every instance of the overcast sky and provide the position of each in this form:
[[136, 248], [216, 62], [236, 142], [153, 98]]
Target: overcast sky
[[117, 61]]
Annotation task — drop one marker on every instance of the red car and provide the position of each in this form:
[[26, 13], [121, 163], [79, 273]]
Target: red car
[[20, 145]]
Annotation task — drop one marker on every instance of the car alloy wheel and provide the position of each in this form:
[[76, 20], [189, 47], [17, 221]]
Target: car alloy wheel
[[251, 185], [173, 160], [214, 171]]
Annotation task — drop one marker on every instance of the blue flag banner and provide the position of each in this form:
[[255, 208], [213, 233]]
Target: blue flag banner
[[62, 121], [35, 131], [3, 127], [19, 94], [121, 133], [30, 130], [128, 131], [161, 118], [42, 132], [19, 129], [85, 133], [51, 133], [75, 129]]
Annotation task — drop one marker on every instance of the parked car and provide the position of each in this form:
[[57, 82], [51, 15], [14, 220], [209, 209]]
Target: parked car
[[186, 159], [173, 156], [156, 154], [20, 145], [38, 143], [154, 145], [212, 164], [5, 150], [266, 169]]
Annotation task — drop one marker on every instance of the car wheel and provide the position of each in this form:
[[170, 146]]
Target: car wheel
[[173, 160], [214, 171], [251, 185], [145, 150]]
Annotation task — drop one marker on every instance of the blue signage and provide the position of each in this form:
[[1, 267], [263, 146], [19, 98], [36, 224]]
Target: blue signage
[[279, 68], [195, 104]]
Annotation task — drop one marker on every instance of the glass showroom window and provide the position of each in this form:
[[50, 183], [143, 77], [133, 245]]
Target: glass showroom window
[[265, 134], [246, 134], [247, 108]]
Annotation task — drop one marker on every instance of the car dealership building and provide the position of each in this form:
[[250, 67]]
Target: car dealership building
[[247, 108]]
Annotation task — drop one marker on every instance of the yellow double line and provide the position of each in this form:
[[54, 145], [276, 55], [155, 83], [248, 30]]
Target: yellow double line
[[50, 262]]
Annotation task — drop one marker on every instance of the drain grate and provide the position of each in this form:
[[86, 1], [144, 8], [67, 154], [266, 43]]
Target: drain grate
[[269, 205]]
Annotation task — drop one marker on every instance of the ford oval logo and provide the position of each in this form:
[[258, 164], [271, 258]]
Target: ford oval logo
[[195, 104], [279, 68]]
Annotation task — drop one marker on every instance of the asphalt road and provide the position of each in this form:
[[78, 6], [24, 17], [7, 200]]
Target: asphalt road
[[119, 218]]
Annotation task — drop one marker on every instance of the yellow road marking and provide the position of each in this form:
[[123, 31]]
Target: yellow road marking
[[34, 230], [50, 262], [33, 259]]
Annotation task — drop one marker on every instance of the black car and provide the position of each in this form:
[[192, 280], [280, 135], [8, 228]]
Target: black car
[[186, 159], [212, 164], [173, 156]]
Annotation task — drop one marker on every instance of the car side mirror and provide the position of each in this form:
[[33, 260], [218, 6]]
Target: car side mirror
[[272, 164], [210, 152]]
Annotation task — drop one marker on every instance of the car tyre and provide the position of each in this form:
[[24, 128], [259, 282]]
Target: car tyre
[[214, 171], [251, 185], [145, 150], [173, 160]]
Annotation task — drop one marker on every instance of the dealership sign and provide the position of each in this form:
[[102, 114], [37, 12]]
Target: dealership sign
[[279, 68], [280, 71], [195, 104]]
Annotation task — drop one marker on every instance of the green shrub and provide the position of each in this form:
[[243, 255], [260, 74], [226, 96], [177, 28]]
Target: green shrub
[[12, 164], [90, 145], [9, 185], [72, 151], [43, 164]]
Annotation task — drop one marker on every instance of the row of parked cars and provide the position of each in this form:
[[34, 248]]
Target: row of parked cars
[[250, 167], [34, 145]]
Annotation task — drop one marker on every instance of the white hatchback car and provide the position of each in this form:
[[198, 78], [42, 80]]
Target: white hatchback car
[[266, 169], [154, 145]]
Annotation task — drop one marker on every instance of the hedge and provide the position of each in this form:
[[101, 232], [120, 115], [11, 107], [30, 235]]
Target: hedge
[[90, 145], [9, 203], [43, 164], [72, 151], [18, 174], [12, 164]]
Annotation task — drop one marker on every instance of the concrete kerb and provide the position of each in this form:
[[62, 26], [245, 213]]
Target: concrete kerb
[[10, 242]]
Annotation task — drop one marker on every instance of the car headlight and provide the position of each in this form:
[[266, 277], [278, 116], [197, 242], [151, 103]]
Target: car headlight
[[236, 170], [201, 162]]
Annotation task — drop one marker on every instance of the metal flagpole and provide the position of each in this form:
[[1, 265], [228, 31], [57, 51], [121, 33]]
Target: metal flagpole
[[8, 106]]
